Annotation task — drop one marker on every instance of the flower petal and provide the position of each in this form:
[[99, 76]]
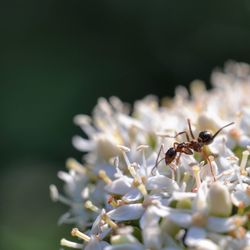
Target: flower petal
[[181, 219], [240, 196], [194, 234], [150, 229], [119, 186], [205, 244], [149, 218], [163, 183], [95, 244], [133, 195], [82, 144], [128, 246], [127, 212], [223, 225], [176, 195], [152, 237]]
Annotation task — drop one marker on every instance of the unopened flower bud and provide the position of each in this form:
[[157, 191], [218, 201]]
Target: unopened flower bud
[[219, 202], [106, 148], [184, 204], [123, 239], [169, 227]]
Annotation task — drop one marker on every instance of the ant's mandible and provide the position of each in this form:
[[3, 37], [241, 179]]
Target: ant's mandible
[[188, 147]]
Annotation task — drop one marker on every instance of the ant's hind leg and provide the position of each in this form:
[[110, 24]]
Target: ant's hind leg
[[183, 132], [206, 157], [178, 159]]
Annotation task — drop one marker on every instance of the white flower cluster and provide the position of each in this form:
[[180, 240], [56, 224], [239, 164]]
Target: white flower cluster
[[151, 180]]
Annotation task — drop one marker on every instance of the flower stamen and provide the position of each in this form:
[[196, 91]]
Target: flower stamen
[[56, 196], [243, 163], [102, 174], [124, 151], [76, 233], [71, 163], [186, 177], [196, 171], [112, 201], [111, 223], [137, 180], [132, 171], [71, 244], [142, 148], [142, 189], [241, 208], [89, 205]]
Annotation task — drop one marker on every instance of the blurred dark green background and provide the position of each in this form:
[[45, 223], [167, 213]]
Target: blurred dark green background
[[58, 57]]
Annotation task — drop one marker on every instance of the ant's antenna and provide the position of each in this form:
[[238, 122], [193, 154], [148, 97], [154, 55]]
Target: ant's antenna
[[222, 128]]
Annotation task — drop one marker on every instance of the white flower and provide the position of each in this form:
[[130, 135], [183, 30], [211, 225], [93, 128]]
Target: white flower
[[125, 196], [241, 197]]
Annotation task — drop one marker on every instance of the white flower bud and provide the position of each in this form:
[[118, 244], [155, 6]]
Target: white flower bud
[[106, 148], [123, 239], [219, 202]]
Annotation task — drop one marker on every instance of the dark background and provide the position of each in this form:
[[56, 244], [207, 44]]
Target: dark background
[[58, 57]]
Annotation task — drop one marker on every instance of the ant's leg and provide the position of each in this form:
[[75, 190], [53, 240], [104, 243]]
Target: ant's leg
[[190, 129], [180, 133], [178, 159], [209, 162], [157, 160], [183, 132], [175, 145]]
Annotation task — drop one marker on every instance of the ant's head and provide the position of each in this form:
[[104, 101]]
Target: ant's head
[[205, 137]]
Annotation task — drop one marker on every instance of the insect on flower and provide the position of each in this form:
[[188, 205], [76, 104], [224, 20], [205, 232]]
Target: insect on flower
[[188, 147]]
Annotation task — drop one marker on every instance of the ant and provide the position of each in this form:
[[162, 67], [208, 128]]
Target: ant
[[188, 147]]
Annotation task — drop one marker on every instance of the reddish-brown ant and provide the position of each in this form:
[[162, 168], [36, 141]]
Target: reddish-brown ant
[[188, 147]]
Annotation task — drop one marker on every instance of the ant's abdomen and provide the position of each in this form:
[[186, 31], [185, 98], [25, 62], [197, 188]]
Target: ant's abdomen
[[170, 155]]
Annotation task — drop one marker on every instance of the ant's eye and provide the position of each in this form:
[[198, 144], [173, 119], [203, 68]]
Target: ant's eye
[[205, 137]]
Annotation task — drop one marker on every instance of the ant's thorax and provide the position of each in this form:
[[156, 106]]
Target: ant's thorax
[[195, 145]]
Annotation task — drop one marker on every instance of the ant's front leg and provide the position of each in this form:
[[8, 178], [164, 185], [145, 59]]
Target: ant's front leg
[[190, 129], [206, 157]]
